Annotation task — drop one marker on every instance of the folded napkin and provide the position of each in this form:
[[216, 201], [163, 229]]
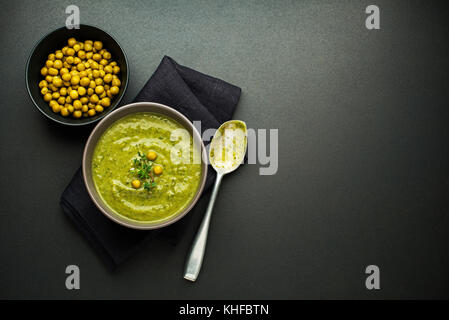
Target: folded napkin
[[198, 97]]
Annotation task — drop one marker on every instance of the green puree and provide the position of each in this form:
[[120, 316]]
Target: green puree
[[113, 159]]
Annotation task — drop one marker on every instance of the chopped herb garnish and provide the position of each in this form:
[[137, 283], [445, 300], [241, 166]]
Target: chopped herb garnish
[[143, 170]]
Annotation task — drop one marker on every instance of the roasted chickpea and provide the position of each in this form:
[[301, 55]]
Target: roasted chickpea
[[116, 69], [64, 112], [63, 91], [55, 95], [57, 82], [114, 90], [47, 97], [136, 184], [42, 84], [108, 69], [84, 81], [98, 108], [157, 169], [91, 112], [49, 63], [44, 71], [75, 80], [59, 55], [98, 45], [74, 94], [84, 108], [151, 155], [99, 89], [57, 64], [53, 71], [71, 42], [94, 99], [44, 90], [81, 91], [77, 114], [116, 82], [56, 108], [66, 77], [105, 102]]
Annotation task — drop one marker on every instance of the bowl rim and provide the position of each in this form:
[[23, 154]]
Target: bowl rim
[[129, 223], [119, 99]]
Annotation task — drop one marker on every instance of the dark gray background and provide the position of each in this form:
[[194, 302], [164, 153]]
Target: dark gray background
[[363, 151]]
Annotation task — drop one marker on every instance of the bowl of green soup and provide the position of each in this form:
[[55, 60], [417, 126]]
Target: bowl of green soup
[[145, 165]]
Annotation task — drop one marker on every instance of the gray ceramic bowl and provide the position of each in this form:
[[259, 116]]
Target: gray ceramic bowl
[[103, 125]]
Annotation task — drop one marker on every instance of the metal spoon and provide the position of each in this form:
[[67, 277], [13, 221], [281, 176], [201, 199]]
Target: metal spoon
[[227, 151]]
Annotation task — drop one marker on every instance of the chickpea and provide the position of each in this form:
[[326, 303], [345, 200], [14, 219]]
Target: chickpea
[[84, 81], [61, 100], [57, 82], [116, 69], [44, 71], [55, 95], [66, 77], [64, 112], [71, 42], [105, 102], [91, 112], [107, 78], [84, 108], [107, 55], [47, 97], [52, 103], [94, 98], [90, 91], [84, 100], [136, 184], [42, 84], [75, 80], [74, 94], [116, 82], [96, 57], [114, 90], [53, 71], [76, 60], [98, 45], [83, 74], [113, 63], [68, 99], [96, 73], [81, 67], [99, 81], [108, 69], [57, 64], [63, 71], [59, 55], [51, 57], [64, 50], [56, 107], [77, 47], [99, 90], [82, 54], [89, 54], [44, 90], [151, 155], [63, 91], [87, 46], [98, 108], [77, 104], [81, 91], [157, 170], [70, 108], [49, 79], [69, 60], [77, 114], [103, 62], [49, 63]]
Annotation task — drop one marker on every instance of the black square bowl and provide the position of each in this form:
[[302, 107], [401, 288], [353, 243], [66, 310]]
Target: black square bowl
[[55, 41]]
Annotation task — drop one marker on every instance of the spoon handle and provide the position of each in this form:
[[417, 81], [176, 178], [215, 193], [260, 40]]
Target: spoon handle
[[195, 257]]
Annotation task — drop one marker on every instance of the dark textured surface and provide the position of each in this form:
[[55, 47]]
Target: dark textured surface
[[363, 151]]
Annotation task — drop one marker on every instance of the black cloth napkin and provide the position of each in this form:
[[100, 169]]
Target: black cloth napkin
[[198, 97]]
